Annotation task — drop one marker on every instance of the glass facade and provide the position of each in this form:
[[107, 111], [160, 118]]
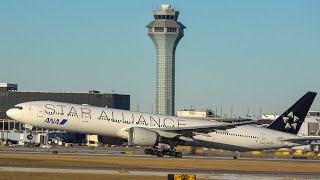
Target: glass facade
[[165, 84]]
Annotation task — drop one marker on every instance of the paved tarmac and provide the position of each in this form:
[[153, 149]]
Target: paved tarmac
[[206, 174], [139, 152]]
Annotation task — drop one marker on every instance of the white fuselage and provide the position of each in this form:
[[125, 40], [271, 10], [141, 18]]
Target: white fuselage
[[113, 122]]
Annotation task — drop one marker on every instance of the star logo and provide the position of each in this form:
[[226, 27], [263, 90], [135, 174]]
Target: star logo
[[290, 121]]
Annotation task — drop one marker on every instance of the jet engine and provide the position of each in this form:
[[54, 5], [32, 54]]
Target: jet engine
[[143, 137]]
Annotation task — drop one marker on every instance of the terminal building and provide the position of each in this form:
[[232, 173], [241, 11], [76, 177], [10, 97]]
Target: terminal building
[[10, 96], [208, 114], [195, 114]]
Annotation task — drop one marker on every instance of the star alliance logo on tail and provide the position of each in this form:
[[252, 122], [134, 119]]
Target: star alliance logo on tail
[[291, 121], [56, 121]]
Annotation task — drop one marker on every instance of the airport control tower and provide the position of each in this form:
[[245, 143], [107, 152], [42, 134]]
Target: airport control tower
[[165, 32]]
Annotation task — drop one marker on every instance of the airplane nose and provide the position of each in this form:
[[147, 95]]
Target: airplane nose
[[14, 114], [10, 113]]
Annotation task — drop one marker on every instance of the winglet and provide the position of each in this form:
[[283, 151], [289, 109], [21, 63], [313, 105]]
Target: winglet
[[291, 120]]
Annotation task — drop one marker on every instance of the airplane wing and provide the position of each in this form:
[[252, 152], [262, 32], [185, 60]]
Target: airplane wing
[[302, 139], [192, 130]]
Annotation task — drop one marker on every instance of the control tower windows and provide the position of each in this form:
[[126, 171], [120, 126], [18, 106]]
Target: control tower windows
[[169, 17], [171, 29], [159, 29]]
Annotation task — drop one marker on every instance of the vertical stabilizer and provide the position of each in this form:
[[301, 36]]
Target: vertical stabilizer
[[291, 120]]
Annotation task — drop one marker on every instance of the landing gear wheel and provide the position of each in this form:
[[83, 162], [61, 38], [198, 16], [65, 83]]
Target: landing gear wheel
[[160, 154], [178, 154], [147, 151], [172, 153], [29, 137], [154, 152]]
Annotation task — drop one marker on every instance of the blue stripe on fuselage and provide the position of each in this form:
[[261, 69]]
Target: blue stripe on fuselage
[[63, 121]]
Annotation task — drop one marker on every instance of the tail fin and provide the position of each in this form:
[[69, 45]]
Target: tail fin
[[291, 120]]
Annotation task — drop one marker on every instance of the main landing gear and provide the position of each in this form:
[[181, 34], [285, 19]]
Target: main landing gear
[[159, 153]]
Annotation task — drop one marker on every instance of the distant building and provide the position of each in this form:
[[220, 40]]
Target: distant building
[[269, 116], [206, 115], [311, 125], [193, 113], [10, 96], [8, 87]]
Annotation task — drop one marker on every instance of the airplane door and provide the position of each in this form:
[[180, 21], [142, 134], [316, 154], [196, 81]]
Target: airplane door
[[263, 139], [40, 111], [86, 117]]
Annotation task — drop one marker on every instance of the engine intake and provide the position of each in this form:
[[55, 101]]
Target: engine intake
[[143, 137]]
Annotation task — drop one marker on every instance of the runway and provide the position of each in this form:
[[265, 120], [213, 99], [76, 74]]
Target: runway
[[163, 173], [112, 162], [116, 151]]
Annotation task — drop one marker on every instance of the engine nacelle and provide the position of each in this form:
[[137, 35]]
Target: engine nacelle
[[143, 137]]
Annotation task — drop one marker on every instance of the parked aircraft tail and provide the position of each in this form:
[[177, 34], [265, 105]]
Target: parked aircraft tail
[[291, 120]]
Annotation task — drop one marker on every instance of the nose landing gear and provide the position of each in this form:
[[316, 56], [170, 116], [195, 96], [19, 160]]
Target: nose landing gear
[[30, 137]]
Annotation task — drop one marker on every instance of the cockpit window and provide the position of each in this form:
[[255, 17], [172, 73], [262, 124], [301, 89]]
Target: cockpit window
[[18, 107]]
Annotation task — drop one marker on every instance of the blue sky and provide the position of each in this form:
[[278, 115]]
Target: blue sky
[[246, 54]]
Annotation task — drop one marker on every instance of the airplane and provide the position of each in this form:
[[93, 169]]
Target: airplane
[[150, 130]]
